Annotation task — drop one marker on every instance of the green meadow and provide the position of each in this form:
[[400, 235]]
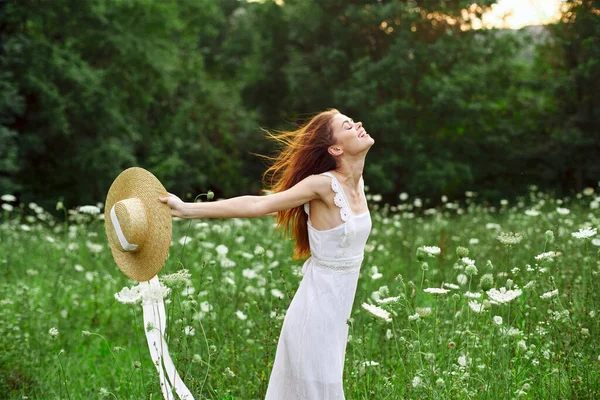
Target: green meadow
[[465, 301]]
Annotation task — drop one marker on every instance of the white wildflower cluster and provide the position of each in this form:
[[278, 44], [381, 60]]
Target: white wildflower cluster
[[549, 295], [476, 306], [180, 277], [432, 251], [584, 233], [377, 311], [382, 296], [375, 274], [503, 295], [142, 292], [91, 210], [436, 290], [509, 238], [547, 256]]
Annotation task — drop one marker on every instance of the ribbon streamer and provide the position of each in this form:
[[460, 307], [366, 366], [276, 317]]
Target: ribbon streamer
[[155, 319]]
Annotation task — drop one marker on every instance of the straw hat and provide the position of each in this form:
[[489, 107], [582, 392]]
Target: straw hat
[[138, 224]]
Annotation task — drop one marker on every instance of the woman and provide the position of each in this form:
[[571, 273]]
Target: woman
[[318, 192]]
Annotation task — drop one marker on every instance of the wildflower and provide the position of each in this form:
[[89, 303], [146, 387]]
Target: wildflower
[[180, 277], [189, 330], [472, 295], [471, 269], [416, 382], [423, 311], [461, 279], [440, 382], [462, 361], [370, 363], [403, 196], [476, 306], [104, 392], [184, 240], [532, 213], [584, 233], [375, 273], [503, 295], [462, 252], [549, 235], [229, 372], [562, 211], [277, 293], [389, 334], [259, 250], [473, 241], [451, 285], [210, 195], [387, 300], [53, 332], [497, 320], [377, 311], [85, 333], [549, 295], [91, 210], [509, 238], [436, 290], [432, 251], [7, 207], [241, 315], [8, 197], [414, 317], [549, 255], [222, 250]]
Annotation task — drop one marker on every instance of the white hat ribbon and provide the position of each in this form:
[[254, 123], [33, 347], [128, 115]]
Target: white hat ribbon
[[122, 239]]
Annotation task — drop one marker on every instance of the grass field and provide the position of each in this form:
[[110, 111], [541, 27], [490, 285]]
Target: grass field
[[532, 333]]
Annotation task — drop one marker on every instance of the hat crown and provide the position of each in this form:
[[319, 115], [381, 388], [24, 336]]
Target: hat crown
[[130, 224]]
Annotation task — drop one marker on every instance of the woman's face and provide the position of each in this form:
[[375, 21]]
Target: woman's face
[[351, 138]]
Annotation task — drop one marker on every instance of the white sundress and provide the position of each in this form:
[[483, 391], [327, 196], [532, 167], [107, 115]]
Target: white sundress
[[310, 355]]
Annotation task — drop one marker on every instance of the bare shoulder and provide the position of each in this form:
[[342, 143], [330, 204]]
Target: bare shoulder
[[321, 185]]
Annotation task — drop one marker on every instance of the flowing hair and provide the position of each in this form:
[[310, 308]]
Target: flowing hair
[[304, 153]]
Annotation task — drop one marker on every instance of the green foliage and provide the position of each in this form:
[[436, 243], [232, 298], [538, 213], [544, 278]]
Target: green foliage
[[90, 88]]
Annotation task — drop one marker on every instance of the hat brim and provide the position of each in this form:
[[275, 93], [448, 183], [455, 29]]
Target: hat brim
[[144, 264]]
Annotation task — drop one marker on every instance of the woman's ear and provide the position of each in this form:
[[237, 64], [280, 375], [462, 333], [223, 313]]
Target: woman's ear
[[335, 150]]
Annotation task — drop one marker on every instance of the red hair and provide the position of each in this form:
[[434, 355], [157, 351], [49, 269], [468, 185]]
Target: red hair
[[304, 153]]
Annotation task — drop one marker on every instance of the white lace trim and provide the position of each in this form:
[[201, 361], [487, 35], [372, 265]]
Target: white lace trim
[[340, 266]]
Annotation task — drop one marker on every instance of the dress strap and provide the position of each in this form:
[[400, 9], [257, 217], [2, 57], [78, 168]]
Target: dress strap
[[339, 199]]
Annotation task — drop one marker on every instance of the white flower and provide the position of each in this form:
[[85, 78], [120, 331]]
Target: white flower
[[461, 279], [370, 363], [451, 285], [129, 296], [387, 300], [7, 207], [563, 211], [462, 361], [584, 233], [375, 273], [78, 268], [436, 290], [476, 306], [509, 238], [533, 213], [8, 197], [241, 315], [277, 293], [423, 311], [389, 334], [53, 332], [473, 241], [414, 317], [416, 382], [549, 255], [472, 295], [91, 210], [222, 250], [377, 311], [432, 250], [503, 295], [189, 330], [549, 295], [497, 320], [403, 196], [185, 240]]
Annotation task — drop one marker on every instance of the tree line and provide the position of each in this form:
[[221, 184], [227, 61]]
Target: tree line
[[184, 87]]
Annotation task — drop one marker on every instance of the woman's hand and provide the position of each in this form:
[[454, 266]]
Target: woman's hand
[[176, 204]]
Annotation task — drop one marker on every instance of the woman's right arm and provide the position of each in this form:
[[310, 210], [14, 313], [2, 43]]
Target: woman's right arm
[[248, 206]]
